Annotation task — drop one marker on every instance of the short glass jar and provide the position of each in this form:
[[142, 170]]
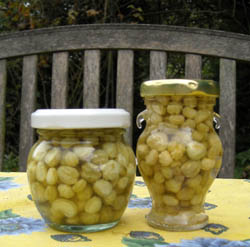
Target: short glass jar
[[81, 171], [179, 153]]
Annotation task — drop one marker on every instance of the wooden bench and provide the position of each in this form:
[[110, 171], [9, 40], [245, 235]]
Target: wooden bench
[[158, 40]]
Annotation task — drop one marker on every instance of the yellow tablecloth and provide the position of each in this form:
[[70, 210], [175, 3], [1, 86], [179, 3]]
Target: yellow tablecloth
[[227, 204]]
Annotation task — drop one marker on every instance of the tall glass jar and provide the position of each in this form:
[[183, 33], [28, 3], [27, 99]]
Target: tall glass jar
[[81, 171], [179, 153]]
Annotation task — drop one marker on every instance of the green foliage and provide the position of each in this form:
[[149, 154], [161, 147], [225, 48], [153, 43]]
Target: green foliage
[[225, 15], [13, 95], [243, 157], [210, 68], [10, 163], [176, 65], [243, 164], [242, 107]]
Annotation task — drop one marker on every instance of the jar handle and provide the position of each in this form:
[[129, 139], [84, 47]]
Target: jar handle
[[140, 119], [217, 120]]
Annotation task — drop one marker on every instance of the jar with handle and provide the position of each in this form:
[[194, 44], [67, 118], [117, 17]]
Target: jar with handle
[[179, 152]]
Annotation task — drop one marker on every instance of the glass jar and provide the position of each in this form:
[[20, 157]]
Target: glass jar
[[179, 153], [81, 171]]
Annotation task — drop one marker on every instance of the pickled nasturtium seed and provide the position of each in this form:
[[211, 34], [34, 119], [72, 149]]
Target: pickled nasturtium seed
[[177, 153], [81, 176]]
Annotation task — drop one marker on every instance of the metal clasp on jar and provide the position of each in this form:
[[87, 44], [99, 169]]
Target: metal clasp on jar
[[140, 119], [217, 120]]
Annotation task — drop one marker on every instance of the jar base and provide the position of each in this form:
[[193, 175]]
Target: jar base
[[180, 222], [82, 228]]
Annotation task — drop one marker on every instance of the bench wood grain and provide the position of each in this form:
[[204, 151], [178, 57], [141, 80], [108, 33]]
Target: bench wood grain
[[158, 65], [3, 77], [59, 80], [228, 115], [91, 82], [91, 40], [28, 100], [125, 85]]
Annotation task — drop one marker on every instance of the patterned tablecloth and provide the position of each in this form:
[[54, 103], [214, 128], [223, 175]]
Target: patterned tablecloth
[[227, 204]]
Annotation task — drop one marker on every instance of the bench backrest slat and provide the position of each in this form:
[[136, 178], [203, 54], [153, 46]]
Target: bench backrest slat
[[60, 66], [228, 114], [158, 40], [193, 64], [3, 78], [126, 36], [91, 81], [158, 65], [125, 84], [28, 102]]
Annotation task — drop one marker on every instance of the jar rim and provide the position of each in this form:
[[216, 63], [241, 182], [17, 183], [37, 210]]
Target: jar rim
[[80, 118], [180, 87]]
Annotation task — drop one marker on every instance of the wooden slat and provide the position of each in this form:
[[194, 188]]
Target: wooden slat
[[3, 76], [228, 115], [91, 80], [126, 36], [125, 81], [28, 100], [193, 64], [158, 65], [59, 80]]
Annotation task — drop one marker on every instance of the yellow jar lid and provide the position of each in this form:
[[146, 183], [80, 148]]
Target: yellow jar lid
[[180, 87]]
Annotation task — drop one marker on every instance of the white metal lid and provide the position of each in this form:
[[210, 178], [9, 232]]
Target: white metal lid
[[80, 118]]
